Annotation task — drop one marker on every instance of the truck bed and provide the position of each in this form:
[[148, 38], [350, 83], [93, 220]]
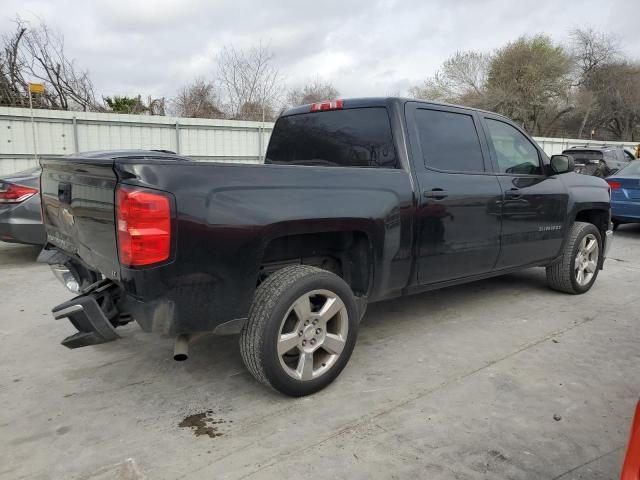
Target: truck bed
[[226, 216]]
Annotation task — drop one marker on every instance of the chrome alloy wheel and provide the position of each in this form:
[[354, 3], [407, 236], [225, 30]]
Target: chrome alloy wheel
[[313, 334], [586, 261]]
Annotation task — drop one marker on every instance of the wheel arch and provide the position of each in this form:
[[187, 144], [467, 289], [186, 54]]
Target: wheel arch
[[597, 216], [347, 252], [600, 218]]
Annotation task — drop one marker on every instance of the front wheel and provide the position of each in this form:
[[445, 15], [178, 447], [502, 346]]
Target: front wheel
[[577, 269], [301, 330]]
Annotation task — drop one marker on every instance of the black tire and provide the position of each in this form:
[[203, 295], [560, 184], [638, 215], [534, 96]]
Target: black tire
[[616, 224], [260, 334], [561, 276]]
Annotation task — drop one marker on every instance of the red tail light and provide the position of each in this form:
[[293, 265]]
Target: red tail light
[[330, 105], [144, 226], [614, 185], [12, 193]]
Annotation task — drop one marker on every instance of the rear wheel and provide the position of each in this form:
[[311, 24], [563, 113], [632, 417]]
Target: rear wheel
[[577, 270], [301, 330]]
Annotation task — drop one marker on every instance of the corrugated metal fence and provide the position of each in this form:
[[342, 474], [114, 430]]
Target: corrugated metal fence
[[62, 133]]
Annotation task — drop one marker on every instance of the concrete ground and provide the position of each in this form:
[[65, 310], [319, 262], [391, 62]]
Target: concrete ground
[[499, 379]]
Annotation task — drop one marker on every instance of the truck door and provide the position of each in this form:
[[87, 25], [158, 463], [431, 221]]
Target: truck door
[[458, 215], [534, 206]]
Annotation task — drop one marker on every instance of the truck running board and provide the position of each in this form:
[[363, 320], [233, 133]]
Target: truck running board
[[90, 320]]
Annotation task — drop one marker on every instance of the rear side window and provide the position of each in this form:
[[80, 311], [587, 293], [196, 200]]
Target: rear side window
[[449, 141], [358, 137]]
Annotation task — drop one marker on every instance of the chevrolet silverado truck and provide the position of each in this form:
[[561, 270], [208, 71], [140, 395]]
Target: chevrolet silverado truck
[[358, 201]]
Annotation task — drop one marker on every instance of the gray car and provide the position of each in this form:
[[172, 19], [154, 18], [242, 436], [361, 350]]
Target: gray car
[[20, 216]]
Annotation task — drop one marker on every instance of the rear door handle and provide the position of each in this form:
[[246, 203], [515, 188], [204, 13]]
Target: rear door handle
[[514, 193], [435, 193]]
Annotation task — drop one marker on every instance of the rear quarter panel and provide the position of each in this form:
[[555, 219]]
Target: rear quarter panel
[[227, 214]]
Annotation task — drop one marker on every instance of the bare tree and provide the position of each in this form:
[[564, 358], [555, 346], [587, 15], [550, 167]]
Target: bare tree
[[250, 81], [461, 79], [13, 86], [617, 99], [315, 91], [198, 99], [590, 50], [156, 106], [69, 88], [38, 54]]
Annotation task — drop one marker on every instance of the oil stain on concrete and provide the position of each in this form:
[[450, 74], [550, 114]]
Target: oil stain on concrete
[[203, 424]]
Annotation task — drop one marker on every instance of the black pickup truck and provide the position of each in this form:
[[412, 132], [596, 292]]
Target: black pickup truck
[[358, 201]]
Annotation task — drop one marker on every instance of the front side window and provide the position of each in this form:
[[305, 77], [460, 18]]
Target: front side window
[[514, 152], [449, 141], [357, 137]]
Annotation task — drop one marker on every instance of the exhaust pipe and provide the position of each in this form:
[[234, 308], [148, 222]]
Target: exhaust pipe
[[181, 348]]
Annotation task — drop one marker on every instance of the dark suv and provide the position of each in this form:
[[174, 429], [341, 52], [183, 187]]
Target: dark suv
[[599, 161]]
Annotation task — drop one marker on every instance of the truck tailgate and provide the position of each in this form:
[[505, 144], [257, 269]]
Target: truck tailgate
[[78, 210]]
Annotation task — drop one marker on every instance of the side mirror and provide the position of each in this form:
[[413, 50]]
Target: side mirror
[[562, 164]]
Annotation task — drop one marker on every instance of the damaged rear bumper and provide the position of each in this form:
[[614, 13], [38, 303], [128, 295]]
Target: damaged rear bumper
[[93, 314]]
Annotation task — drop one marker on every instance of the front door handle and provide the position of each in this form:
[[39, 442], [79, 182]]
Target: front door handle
[[435, 193], [513, 193]]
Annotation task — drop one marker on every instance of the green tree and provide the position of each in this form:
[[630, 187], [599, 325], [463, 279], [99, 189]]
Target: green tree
[[125, 104], [529, 81]]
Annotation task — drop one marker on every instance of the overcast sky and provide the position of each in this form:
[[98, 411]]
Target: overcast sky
[[362, 47]]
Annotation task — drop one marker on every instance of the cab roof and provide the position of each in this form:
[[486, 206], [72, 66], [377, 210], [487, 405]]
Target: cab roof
[[365, 102]]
